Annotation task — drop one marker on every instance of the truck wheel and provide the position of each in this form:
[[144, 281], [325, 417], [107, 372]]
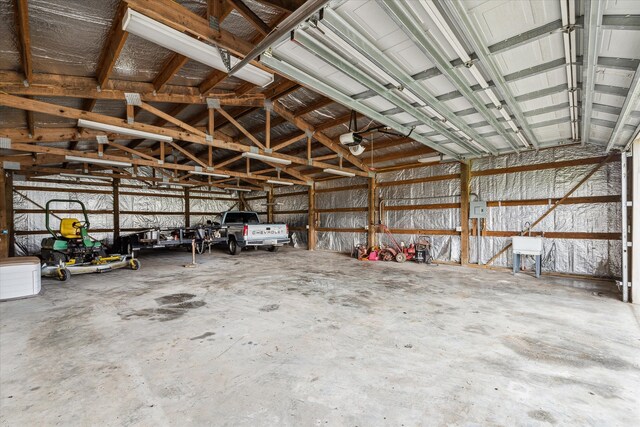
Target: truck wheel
[[234, 248], [273, 248]]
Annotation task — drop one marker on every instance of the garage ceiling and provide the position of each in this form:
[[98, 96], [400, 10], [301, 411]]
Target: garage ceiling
[[475, 78]]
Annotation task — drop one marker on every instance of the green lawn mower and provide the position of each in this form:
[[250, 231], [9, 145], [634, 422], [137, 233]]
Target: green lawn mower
[[72, 251]]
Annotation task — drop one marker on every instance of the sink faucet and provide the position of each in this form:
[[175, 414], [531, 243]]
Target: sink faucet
[[527, 227]]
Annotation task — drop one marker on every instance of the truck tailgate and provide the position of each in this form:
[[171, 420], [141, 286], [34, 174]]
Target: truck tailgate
[[267, 232]]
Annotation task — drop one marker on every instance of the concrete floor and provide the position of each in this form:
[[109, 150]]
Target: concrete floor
[[273, 339]]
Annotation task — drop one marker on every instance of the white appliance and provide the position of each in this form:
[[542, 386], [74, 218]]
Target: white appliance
[[525, 245], [19, 277]]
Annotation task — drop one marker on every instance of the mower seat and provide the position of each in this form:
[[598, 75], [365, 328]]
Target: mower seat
[[67, 230]]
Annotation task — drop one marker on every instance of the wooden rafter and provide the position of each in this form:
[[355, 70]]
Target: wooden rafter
[[319, 136], [51, 85], [294, 173], [211, 81], [250, 16], [170, 119], [61, 111], [188, 154], [217, 11], [24, 36], [161, 122], [170, 68], [240, 128], [320, 103], [112, 48], [283, 5]]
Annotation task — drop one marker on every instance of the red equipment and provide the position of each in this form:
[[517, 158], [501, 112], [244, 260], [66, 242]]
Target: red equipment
[[400, 253]]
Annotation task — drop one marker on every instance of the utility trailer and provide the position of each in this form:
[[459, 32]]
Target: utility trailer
[[160, 238]]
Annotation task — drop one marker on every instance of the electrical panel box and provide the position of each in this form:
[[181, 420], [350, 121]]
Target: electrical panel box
[[478, 209]]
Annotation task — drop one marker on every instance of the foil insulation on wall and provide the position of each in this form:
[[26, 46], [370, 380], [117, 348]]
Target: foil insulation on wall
[[353, 197], [595, 257], [580, 256], [140, 208], [297, 221], [35, 198], [444, 247], [205, 207]]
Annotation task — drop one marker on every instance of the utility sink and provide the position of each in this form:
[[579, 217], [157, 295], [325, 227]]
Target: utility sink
[[525, 245]]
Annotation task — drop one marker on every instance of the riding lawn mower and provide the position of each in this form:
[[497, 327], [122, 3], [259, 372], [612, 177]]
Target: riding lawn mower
[[71, 250]]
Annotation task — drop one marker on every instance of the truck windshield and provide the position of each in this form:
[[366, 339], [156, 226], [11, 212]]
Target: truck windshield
[[241, 218]]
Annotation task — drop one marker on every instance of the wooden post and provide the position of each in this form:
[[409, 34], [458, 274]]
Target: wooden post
[[212, 127], [312, 218], [268, 128], [465, 178], [187, 208], [308, 146], [635, 223], [6, 214], [270, 201], [371, 229], [212, 123], [116, 209]]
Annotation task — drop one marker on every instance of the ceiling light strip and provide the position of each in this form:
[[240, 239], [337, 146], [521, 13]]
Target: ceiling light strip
[[88, 124], [96, 161], [142, 26]]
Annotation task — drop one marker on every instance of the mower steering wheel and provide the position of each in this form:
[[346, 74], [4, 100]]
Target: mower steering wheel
[[79, 224]]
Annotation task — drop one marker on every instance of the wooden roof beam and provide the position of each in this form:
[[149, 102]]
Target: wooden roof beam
[[72, 113], [170, 68], [217, 11], [24, 36], [319, 136], [52, 85], [250, 16], [112, 48], [283, 5]]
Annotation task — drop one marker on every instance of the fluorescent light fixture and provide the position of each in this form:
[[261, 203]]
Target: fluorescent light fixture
[[216, 175], [521, 138], [77, 175], [512, 126], [492, 96], [165, 36], [179, 184], [266, 158], [96, 161], [476, 75], [237, 189], [430, 158], [357, 56], [338, 172], [442, 25], [437, 157], [273, 181], [82, 123], [504, 114]]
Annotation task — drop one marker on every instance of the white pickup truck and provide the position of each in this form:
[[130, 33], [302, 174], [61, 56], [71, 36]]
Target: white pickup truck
[[241, 229]]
